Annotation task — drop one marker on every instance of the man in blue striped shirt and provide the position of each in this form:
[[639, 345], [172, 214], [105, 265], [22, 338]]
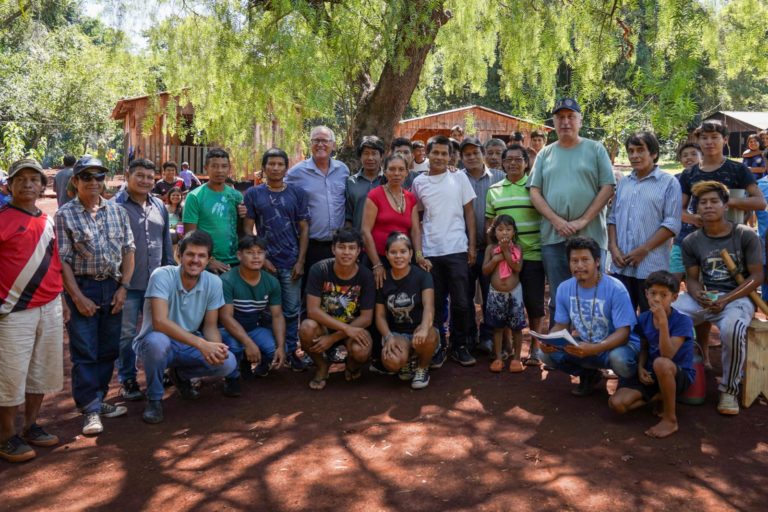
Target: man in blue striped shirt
[[645, 216]]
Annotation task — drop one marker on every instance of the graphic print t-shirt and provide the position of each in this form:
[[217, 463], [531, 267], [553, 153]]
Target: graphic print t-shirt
[[703, 251], [402, 298], [343, 299], [600, 311]]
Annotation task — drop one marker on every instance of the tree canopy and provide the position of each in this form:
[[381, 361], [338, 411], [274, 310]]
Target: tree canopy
[[360, 65]]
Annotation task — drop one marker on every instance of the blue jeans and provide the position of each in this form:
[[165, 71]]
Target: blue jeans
[[557, 269], [263, 339], [93, 344], [622, 360], [291, 297], [158, 352], [126, 363]]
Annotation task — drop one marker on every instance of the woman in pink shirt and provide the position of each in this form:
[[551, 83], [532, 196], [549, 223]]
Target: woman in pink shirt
[[389, 207]]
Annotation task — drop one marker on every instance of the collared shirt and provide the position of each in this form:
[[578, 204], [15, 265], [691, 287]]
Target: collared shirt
[[513, 199], [640, 208], [151, 236], [480, 186], [325, 193], [356, 192], [186, 308], [93, 245]]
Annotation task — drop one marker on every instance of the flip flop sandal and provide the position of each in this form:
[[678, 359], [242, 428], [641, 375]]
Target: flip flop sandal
[[318, 384], [532, 361], [515, 366], [350, 375], [497, 365]]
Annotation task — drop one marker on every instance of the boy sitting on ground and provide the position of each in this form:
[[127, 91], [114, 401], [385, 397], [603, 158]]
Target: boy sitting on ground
[[665, 364]]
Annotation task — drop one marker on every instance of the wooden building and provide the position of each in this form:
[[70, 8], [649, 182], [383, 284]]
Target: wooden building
[[155, 142], [740, 125], [486, 123]]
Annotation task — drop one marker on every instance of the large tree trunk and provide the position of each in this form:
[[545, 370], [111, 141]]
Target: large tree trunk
[[382, 105]]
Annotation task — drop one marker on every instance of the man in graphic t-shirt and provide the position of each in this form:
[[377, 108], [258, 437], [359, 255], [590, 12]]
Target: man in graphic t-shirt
[[598, 308], [713, 295], [340, 299]]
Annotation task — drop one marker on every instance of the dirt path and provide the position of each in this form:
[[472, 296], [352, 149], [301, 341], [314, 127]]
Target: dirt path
[[471, 441]]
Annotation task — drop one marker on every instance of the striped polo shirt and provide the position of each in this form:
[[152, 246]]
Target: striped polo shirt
[[514, 200]]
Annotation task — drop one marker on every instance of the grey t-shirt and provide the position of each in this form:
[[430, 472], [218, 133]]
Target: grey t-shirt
[[703, 251], [60, 185]]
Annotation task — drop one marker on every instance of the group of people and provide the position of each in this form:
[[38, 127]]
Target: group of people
[[385, 264]]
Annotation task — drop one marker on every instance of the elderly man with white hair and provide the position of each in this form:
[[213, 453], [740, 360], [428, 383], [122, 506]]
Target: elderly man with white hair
[[324, 180]]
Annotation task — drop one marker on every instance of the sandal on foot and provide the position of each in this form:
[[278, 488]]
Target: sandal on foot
[[497, 365], [350, 374], [318, 383], [516, 366], [532, 361]]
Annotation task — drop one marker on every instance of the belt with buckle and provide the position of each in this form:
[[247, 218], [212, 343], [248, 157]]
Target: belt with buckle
[[97, 277]]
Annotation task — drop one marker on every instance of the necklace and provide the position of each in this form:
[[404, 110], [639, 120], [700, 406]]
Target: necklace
[[283, 187], [592, 308], [399, 202]]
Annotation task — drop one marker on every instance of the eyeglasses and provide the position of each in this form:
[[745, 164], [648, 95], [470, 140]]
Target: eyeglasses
[[323, 142], [517, 160], [101, 176]]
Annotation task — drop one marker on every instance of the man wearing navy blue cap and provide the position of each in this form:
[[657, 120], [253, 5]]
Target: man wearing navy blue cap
[[571, 183], [96, 249]]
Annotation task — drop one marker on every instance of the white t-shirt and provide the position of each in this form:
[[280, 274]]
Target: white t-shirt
[[422, 167], [443, 198]]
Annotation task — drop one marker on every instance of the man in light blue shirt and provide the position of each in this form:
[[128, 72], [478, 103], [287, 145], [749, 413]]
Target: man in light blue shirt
[[324, 180], [181, 302], [644, 218], [598, 308]]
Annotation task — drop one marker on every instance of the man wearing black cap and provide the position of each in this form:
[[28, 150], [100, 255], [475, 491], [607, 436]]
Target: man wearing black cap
[[571, 182], [472, 153], [31, 314], [96, 249]]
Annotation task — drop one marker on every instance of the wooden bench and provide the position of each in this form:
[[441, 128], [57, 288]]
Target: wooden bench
[[756, 367]]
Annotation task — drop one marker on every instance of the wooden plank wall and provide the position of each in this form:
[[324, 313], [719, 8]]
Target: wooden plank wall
[[487, 125]]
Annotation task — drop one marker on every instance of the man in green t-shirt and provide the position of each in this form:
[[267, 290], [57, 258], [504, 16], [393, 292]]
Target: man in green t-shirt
[[571, 183], [214, 208], [248, 292]]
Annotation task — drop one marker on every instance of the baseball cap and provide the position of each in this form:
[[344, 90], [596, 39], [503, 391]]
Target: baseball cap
[[88, 162], [566, 103], [25, 163], [470, 141]]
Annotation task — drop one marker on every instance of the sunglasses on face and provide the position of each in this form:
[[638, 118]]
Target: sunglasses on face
[[101, 176]]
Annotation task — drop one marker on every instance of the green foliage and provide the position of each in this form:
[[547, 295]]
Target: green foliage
[[62, 74]]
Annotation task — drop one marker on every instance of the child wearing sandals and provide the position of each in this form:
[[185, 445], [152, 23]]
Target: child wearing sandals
[[665, 363], [504, 307]]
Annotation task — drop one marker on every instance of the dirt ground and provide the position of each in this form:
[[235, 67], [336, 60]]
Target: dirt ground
[[472, 440]]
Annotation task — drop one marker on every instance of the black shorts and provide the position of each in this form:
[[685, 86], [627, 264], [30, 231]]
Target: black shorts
[[532, 279], [682, 382]]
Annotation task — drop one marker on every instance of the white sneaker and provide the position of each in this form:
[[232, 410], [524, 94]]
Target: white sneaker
[[92, 424], [420, 378], [728, 404], [112, 411]]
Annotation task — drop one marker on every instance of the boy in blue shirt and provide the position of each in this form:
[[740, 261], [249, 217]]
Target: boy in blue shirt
[[665, 366]]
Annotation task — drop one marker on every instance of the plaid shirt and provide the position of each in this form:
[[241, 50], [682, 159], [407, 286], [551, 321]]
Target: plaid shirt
[[93, 246]]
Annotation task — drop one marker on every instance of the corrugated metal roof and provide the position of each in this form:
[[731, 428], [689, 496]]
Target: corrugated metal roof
[[757, 119]]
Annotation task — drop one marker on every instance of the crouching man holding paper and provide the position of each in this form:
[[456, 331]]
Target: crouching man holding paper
[[598, 308]]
